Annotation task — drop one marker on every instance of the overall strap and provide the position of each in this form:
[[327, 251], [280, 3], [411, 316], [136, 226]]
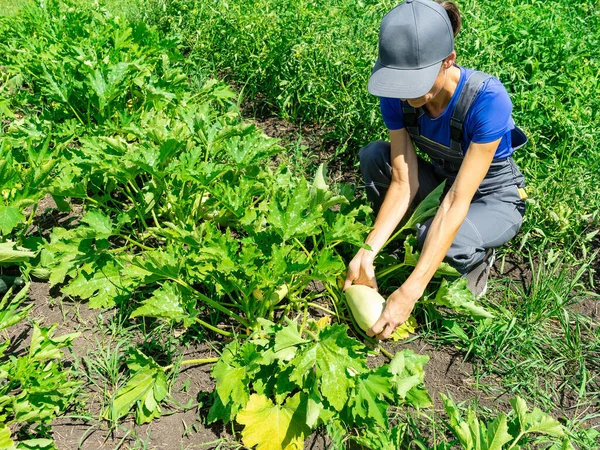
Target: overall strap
[[467, 96], [411, 118]]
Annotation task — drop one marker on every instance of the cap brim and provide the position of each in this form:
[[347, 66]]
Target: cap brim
[[402, 83]]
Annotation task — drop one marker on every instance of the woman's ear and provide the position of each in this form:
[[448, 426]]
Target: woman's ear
[[449, 61]]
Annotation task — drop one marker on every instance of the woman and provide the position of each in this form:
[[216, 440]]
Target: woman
[[462, 120]]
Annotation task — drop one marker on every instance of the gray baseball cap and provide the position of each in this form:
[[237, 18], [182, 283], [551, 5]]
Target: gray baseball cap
[[414, 38]]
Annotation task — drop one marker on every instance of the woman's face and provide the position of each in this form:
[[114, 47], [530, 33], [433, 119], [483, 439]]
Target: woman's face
[[438, 85], [435, 90]]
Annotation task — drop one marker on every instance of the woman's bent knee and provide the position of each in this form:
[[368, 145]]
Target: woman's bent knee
[[376, 153]]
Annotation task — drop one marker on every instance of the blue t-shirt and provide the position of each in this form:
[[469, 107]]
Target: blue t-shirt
[[488, 118]]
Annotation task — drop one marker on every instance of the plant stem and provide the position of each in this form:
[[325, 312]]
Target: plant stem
[[131, 198], [215, 329], [192, 361], [521, 434], [389, 270], [322, 308], [136, 243], [312, 335], [212, 303], [385, 352], [155, 219], [133, 187], [334, 299], [305, 316], [76, 115], [29, 220], [309, 254]]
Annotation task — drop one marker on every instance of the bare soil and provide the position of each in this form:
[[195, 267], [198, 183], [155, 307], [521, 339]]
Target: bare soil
[[182, 425]]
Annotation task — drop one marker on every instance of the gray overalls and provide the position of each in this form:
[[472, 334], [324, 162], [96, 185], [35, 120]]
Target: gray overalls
[[497, 209]]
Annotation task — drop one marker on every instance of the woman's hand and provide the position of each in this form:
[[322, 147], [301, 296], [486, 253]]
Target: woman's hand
[[361, 270], [397, 310]]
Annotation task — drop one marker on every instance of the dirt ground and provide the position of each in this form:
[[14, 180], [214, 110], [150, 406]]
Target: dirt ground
[[183, 428]]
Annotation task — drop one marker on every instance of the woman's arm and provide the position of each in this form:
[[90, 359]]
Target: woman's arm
[[443, 229], [401, 192]]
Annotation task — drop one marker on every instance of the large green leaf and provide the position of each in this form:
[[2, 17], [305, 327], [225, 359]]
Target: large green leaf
[[100, 223], [332, 357], [273, 427], [408, 372], [145, 390], [231, 384], [100, 285], [165, 303], [368, 397], [232, 374], [141, 383], [497, 433], [291, 216]]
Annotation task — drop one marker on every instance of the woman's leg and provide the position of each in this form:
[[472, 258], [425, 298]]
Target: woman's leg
[[493, 219]]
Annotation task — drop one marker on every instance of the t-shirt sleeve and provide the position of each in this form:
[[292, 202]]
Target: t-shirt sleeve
[[490, 115], [391, 111]]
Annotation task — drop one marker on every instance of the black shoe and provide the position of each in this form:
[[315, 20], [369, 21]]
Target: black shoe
[[477, 278]]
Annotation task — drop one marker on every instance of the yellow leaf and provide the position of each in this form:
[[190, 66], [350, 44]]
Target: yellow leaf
[[273, 427], [323, 321], [405, 330]]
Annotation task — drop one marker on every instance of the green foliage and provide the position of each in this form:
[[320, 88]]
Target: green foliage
[[9, 255], [144, 390], [457, 296], [310, 61], [180, 198], [515, 429], [35, 387], [180, 212], [309, 378]]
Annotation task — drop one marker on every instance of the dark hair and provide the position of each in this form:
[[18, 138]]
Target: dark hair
[[453, 14]]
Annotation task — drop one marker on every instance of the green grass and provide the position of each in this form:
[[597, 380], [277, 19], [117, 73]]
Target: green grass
[[537, 346], [12, 7]]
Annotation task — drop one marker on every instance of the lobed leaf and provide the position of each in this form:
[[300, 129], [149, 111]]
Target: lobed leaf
[[273, 427], [100, 285], [368, 397], [332, 356], [146, 388], [165, 303]]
